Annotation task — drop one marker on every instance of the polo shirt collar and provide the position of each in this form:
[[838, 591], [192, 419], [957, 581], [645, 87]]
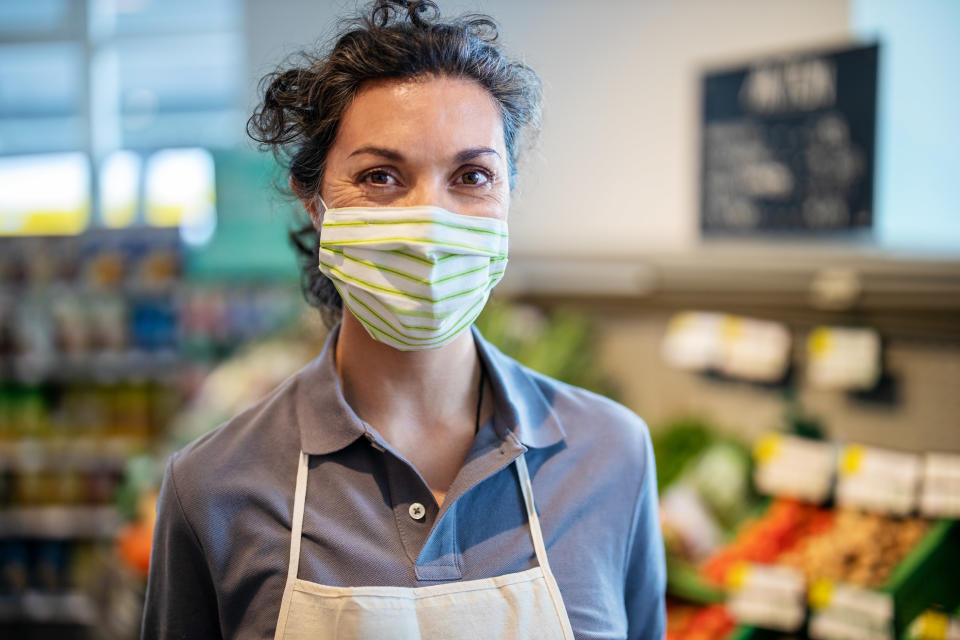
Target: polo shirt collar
[[522, 406], [327, 423]]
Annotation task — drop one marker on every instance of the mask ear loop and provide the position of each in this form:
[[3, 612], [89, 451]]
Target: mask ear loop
[[321, 212]]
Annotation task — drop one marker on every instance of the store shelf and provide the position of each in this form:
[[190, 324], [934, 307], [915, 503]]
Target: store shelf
[[68, 454], [796, 283], [786, 271], [59, 608], [60, 522], [125, 366], [91, 371]]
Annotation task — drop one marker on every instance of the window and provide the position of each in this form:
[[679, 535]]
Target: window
[[916, 184], [110, 86]]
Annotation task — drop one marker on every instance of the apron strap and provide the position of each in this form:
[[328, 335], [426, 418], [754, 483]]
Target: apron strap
[[296, 527], [539, 548]]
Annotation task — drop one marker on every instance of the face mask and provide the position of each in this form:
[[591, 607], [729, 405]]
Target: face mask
[[415, 277]]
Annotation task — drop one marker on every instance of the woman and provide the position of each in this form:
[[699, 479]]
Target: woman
[[391, 488]]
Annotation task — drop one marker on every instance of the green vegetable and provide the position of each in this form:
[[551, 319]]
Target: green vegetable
[[675, 445]]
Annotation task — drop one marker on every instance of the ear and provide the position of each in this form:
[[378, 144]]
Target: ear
[[315, 209], [312, 206]]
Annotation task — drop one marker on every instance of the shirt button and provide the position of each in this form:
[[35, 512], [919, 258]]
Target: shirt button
[[417, 511]]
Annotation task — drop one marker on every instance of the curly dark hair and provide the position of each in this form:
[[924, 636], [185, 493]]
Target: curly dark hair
[[305, 99]]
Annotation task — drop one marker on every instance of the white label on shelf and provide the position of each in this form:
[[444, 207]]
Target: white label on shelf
[[843, 358], [692, 341], [797, 467], [739, 347], [755, 350], [878, 479], [941, 486], [767, 596], [845, 612]]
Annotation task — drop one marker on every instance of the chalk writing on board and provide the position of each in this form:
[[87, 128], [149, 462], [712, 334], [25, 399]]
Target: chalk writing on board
[[788, 144]]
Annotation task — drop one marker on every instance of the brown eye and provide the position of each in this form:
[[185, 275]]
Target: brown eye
[[378, 177], [474, 178]]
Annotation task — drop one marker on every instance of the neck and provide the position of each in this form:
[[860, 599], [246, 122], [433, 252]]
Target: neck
[[407, 395]]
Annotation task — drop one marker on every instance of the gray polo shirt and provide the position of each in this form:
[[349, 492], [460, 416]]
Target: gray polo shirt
[[221, 542]]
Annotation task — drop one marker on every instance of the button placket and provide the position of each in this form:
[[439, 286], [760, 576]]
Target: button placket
[[409, 499]]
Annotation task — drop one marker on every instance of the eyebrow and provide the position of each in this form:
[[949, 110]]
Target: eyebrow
[[473, 152], [396, 156], [389, 154]]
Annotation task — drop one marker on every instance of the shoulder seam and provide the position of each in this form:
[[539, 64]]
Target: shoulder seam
[[183, 512]]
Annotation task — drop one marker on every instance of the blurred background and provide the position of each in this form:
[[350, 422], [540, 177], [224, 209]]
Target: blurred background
[[741, 221]]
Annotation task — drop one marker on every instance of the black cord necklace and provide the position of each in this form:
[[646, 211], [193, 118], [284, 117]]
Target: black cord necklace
[[479, 400]]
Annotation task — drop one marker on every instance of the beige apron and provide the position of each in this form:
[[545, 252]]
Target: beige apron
[[518, 605]]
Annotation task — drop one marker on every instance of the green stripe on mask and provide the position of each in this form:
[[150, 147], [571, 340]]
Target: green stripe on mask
[[363, 223]]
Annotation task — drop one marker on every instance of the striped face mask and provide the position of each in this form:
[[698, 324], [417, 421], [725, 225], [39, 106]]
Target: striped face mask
[[415, 277]]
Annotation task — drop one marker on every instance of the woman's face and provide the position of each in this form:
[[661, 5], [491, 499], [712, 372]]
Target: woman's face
[[431, 141]]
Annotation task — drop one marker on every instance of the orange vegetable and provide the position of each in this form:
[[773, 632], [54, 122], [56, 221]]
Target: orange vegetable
[[133, 545], [762, 540], [707, 623]]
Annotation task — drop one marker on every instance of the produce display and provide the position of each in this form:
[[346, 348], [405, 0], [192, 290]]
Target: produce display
[[832, 551], [705, 488], [765, 539], [860, 548]]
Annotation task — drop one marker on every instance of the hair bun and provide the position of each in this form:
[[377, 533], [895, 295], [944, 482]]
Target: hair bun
[[419, 13]]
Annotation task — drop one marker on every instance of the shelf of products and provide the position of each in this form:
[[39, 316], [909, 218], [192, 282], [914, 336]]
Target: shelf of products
[[102, 340], [803, 569], [89, 339]]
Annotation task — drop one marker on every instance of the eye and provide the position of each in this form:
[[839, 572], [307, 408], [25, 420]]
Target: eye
[[475, 177], [379, 177]]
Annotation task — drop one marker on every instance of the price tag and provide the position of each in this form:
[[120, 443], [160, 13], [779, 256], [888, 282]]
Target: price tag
[[940, 496], [766, 596], [843, 358], [744, 348], [692, 342], [845, 612], [754, 350], [792, 466], [934, 625], [878, 479]]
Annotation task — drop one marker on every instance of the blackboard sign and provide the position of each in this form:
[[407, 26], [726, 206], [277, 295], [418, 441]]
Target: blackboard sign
[[788, 144]]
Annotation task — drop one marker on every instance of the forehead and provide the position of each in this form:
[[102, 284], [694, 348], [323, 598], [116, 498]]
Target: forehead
[[432, 115]]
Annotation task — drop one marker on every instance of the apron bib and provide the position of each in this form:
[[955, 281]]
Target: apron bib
[[523, 605]]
